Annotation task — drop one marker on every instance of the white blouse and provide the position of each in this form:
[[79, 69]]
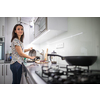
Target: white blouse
[[15, 55]]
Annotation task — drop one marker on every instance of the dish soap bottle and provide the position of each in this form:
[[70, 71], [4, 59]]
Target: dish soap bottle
[[25, 60]]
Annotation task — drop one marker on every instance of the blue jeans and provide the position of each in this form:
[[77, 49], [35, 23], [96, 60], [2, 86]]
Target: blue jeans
[[16, 69]]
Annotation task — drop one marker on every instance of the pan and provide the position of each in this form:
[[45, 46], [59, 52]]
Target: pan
[[78, 60]]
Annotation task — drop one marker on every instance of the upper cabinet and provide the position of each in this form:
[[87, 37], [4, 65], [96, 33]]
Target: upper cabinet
[[40, 25], [2, 26], [46, 28]]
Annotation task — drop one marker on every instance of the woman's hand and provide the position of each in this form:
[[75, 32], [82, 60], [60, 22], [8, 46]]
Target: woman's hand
[[30, 48], [25, 50], [32, 57]]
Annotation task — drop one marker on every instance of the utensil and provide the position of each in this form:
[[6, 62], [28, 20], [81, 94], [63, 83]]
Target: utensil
[[34, 52]]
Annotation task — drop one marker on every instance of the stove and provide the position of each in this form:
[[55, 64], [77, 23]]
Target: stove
[[66, 75]]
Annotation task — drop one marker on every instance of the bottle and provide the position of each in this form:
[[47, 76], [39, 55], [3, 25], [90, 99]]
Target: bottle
[[10, 58], [25, 60]]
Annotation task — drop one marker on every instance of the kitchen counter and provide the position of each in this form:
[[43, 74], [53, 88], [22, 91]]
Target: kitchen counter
[[10, 62], [7, 61], [31, 68], [60, 74]]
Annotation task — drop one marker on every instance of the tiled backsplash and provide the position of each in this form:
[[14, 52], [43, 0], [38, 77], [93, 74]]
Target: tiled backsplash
[[82, 38]]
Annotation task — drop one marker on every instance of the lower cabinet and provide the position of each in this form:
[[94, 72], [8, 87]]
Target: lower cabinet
[[2, 74], [26, 77], [29, 79], [5, 74]]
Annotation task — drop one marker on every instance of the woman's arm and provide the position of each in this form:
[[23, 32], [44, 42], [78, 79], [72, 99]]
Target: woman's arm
[[25, 50], [20, 52]]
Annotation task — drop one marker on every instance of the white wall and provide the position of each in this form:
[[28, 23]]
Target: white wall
[[82, 38]]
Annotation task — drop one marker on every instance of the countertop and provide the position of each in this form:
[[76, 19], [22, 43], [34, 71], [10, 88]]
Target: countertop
[[31, 68], [7, 61], [10, 62], [3, 62]]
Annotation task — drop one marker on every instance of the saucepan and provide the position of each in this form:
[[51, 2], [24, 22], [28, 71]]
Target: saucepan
[[34, 52], [78, 60]]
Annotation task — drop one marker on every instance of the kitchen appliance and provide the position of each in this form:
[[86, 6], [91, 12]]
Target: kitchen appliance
[[76, 72], [2, 49], [61, 74], [77, 60]]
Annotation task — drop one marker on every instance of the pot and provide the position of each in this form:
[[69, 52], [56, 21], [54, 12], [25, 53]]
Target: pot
[[36, 53]]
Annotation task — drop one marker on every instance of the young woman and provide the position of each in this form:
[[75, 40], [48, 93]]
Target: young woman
[[18, 53]]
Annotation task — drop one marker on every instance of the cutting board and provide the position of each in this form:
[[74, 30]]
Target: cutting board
[[41, 62]]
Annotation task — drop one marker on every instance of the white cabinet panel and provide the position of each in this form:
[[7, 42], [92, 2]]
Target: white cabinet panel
[[46, 28], [23, 79], [8, 74], [5, 74], [2, 73], [2, 26]]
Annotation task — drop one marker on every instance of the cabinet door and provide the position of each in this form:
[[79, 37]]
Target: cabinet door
[[2, 23], [2, 73], [30, 80], [23, 79], [40, 25], [8, 74]]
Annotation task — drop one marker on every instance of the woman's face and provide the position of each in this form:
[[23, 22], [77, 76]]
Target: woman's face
[[19, 30]]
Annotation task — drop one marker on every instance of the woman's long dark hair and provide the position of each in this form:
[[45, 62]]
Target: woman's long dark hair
[[14, 35]]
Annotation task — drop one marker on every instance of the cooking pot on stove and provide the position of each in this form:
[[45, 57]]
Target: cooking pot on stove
[[36, 53]]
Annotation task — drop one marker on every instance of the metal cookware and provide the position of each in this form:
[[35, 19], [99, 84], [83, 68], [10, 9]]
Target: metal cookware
[[78, 60], [34, 52]]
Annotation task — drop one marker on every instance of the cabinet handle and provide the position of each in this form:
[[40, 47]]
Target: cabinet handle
[[2, 30], [6, 69], [27, 80], [2, 70]]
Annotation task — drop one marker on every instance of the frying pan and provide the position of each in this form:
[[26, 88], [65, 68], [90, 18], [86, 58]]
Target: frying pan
[[77, 60]]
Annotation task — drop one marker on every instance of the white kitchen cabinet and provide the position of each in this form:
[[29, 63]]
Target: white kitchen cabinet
[[8, 74], [23, 79], [27, 79], [40, 26], [2, 74], [2, 26], [46, 28], [35, 19], [5, 74]]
